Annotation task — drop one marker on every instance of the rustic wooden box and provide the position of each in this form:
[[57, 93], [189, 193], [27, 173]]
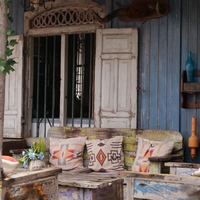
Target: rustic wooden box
[[89, 187], [161, 186], [32, 185]]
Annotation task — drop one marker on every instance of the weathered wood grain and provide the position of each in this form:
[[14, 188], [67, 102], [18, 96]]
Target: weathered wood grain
[[40, 184], [182, 168], [164, 186], [89, 186], [88, 180], [24, 176]]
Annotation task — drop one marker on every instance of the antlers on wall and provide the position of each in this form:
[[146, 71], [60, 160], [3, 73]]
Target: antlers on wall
[[138, 10]]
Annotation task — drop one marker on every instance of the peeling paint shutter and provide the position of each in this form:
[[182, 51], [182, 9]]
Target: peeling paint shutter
[[116, 78], [13, 94]]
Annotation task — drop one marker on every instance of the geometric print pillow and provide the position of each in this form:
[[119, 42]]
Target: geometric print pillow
[[67, 153], [147, 149], [105, 155]]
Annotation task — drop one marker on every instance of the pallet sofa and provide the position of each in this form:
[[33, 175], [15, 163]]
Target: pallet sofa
[[85, 184], [130, 137]]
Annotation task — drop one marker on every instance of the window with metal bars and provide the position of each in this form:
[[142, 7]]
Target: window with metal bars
[[46, 80], [46, 84], [80, 79]]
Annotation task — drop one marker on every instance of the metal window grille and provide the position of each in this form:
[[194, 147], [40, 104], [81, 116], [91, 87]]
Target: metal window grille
[[80, 80], [80, 65], [46, 87], [46, 80]]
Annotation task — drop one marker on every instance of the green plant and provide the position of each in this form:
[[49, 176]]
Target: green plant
[[36, 152], [6, 64]]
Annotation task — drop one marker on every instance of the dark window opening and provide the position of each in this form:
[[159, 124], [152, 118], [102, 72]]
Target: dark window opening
[[46, 79], [80, 76]]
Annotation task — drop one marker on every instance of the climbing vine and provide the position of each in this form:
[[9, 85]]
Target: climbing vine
[[6, 64]]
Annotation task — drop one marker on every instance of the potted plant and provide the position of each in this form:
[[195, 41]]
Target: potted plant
[[33, 158]]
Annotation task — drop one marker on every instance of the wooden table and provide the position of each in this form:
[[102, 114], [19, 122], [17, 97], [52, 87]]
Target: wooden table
[[31, 185], [84, 186]]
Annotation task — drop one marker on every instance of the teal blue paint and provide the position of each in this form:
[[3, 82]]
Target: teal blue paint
[[163, 190]]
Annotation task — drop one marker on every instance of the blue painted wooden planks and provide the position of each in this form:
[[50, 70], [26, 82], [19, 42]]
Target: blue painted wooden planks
[[163, 186]]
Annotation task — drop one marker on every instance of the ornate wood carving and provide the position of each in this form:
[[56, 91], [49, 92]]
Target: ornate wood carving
[[63, 17]]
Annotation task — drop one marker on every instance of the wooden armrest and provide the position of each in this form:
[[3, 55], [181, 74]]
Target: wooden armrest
[[166, 158]]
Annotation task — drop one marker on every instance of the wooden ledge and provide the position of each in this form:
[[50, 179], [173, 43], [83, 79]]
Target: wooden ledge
[[182, 165]]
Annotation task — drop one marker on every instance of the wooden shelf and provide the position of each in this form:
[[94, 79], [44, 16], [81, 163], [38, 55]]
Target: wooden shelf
[[189, 88]]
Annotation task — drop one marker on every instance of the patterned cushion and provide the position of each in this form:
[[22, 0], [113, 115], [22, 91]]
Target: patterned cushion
[[67, 153], [147, 149], [105, 155]]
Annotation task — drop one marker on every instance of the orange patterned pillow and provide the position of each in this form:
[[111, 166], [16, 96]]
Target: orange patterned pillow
[[147, 149], [67, 153], [105, 155]]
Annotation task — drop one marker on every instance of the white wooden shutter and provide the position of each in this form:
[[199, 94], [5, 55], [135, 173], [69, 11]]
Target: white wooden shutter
[[116, 78], [13, 94]]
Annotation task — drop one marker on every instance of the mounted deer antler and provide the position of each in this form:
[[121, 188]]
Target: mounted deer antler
[[138, 10]]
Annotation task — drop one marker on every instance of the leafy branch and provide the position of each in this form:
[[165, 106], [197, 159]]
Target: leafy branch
[[6, 64]]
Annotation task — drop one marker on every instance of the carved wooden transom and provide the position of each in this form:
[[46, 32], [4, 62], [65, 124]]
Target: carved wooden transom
[[63, 17]]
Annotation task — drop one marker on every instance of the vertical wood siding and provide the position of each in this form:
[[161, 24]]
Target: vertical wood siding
[[17, 14], [163, 47], [190, 35], [159, 69]]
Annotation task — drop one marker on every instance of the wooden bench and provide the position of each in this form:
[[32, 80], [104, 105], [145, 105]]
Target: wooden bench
[[130, 137]]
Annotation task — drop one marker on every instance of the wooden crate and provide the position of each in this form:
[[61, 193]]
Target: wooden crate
[[32, 185], [89, 187], [161, 186]]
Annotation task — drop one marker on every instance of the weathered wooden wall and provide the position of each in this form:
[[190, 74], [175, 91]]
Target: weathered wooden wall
[[190, 34], [17, 13], [163, 46], [159, 69]]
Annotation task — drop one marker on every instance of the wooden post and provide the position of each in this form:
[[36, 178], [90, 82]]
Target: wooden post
[[3, 39]]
